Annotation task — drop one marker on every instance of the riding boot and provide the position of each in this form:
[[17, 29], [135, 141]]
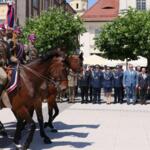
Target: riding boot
[[5, 99], [1, 89]]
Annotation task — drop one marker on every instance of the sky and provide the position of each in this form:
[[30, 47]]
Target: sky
[[91, 2]]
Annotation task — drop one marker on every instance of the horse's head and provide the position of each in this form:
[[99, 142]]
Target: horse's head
[[75, 62], [57, 71]]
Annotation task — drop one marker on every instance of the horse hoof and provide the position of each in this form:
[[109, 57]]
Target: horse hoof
[[54, 130], [19, 147], [16, 142], [47, 141]]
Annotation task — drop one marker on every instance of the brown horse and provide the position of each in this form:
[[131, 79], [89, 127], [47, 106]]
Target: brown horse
[[75, 63], [28, 94], [50, 92]]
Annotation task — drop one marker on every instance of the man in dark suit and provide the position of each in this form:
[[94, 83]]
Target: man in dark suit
[[90, 69], [83, 82], [118, 84], [144, 85]]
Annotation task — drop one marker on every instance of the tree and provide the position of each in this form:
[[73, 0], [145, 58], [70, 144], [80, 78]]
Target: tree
[[127, 37], [54, 28]]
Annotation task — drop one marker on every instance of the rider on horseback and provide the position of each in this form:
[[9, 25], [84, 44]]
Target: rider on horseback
[[13, 56], [3, 74], [31, 51]]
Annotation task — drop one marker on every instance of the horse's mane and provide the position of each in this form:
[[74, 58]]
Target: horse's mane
[[45, 57], [50, 55]]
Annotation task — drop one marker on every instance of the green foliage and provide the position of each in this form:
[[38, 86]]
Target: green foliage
[[127, 37], [54, 28]]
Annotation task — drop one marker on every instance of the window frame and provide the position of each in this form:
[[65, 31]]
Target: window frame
[[141, 5], [35, 8]]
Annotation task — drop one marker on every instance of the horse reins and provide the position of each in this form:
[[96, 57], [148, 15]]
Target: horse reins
[[50, 79]]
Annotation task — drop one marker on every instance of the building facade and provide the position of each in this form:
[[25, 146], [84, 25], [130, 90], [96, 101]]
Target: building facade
[[102, 12], [138, 4], [30, 8], [35, 7]]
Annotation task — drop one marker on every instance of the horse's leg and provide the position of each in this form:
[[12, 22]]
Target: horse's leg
[[56, 111], [31, 111], [24, 114], [52, 105], [50, 115], [19, 128], [17, 135], [2, 130], [38, 109]]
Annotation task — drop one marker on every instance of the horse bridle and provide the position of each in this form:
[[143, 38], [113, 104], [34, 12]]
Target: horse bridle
[[49, 79], [40, 76]]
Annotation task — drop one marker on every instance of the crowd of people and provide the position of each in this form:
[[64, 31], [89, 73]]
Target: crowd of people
[[131, 85]]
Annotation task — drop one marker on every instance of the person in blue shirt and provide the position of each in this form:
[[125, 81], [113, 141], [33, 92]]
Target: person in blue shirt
[[130, 83], [118, 85]]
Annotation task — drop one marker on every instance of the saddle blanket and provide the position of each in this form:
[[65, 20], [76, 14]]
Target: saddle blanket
[[12, 85]]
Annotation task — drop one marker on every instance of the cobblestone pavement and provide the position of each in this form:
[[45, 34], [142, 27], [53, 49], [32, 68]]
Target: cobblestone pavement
[[91, 127]]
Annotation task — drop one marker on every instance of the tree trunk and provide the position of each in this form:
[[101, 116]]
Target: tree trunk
[[148, 65]]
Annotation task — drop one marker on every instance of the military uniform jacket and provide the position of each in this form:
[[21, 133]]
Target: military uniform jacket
[[107, 80], [118, 79], [97, 79]]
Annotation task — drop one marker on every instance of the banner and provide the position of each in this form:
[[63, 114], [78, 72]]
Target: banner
[[10, 15]]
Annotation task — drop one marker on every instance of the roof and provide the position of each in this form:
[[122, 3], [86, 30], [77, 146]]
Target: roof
[[102, 10], [67, 7], [70, 9]]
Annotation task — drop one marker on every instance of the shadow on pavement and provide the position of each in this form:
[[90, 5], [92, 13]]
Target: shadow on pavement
[[63, 134], [77, 145], [7, 142], [63, 126]]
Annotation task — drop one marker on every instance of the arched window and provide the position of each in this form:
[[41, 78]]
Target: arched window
[[77, 6], [141, 4], [46, 4]]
